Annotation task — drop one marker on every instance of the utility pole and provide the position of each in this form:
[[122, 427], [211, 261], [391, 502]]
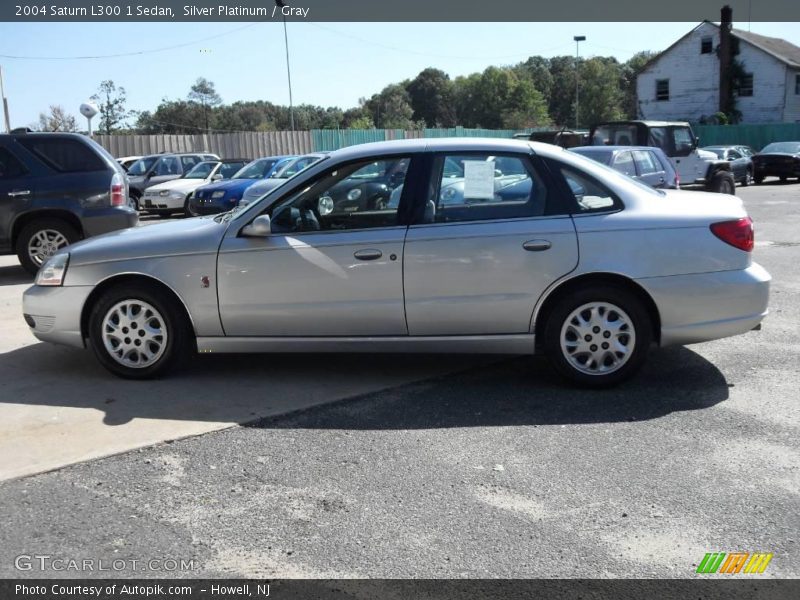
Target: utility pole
[[281, 4], [5, 103], [578, 39]]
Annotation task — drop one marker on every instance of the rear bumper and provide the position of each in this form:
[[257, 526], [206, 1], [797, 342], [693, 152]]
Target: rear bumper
[[54, 313], [708, 306], [102, 220]]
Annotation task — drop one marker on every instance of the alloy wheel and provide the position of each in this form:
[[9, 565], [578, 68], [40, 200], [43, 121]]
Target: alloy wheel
[[134, 333], [43, 244], [598, 338]]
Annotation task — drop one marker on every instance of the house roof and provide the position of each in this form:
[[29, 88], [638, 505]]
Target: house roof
[[784, 51], [777, 47]]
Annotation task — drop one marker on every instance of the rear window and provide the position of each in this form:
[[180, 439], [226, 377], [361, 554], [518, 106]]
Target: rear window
[[63, 154]]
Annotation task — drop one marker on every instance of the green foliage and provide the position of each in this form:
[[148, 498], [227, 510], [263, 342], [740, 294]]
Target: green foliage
[[111, 101]]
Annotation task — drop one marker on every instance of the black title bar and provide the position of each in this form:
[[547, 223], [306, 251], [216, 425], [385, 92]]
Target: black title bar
[[398, 11]]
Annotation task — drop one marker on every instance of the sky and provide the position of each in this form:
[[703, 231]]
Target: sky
[[332, 64]]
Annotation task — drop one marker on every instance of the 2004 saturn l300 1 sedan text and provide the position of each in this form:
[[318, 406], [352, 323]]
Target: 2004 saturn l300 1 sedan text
[[541, 249]]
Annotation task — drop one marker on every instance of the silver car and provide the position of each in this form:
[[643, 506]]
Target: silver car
[[587, 266]]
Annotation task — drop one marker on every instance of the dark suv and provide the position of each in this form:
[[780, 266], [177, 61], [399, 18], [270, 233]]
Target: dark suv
[[55, 189]]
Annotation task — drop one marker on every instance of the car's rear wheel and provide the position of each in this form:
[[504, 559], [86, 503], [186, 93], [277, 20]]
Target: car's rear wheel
[[722, 182], [138, 332], [758, 179], [40, 239], [599, 336]]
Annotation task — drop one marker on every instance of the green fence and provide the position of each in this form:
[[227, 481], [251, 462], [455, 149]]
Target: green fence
[[755, 136]]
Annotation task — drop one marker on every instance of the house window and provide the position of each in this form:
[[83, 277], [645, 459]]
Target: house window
[[662, 89], [797, 84], [706, 45], [746, 85]]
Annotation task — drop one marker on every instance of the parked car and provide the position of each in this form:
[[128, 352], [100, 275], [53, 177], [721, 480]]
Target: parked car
[[288, 169], [56, 189], [566, 138], [158, 168], [126, 161], [644, 163], [780, 159], [503, 276], [679, 143], [740, 158], [172, 196], [220, 196]]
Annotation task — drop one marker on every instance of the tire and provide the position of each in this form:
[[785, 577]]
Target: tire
[[133, 202], [784, 178], [186, 212], [612, 308], [722, 182], [168, 340], [748, 178], [52, 234], [758, 179]]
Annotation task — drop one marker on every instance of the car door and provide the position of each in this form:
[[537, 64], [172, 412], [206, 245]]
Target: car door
[[486, 248], [322, 271], [649, 169], [738, 164], [166, 168], [17, 190]]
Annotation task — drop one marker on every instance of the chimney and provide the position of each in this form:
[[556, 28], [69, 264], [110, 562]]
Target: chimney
[[725, 26]]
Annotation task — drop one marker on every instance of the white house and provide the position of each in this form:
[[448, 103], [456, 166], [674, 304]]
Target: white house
[[683, 82]]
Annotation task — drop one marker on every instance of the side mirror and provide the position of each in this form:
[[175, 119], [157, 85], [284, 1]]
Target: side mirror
[[260, 227], [696, 143], [217, 177]]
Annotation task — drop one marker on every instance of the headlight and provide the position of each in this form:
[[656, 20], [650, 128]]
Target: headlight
[[219, 194], [177, 195], [163, 193], [53, 271], [354, 194], [448, 193], [325, 205]]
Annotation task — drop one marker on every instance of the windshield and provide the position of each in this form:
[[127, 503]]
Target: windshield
[[257, 169], [601, 156], [142, 166], [201, 170], [615, 135], [718, 151], [295, 166], [787, 147]]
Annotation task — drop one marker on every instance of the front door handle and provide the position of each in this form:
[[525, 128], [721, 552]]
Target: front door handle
[[368, 254], [16, 193], [536, 245]]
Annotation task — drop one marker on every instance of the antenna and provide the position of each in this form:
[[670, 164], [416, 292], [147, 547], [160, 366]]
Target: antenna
[[89, 110]]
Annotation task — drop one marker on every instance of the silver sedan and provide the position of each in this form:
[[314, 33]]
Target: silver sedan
[[580, 262]]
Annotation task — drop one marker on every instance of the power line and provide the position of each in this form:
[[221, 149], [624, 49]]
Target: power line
[[429, 54], [136, 53]]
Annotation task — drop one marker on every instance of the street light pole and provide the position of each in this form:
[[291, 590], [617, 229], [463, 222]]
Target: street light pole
[[578, 39], [4, 102], [280, 4]]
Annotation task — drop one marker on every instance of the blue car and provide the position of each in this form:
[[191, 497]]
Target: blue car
[[224, 195]]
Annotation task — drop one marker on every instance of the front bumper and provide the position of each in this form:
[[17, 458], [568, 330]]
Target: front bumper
[[708, 306], [54, 313], [162, 203], [97, 221], [210, 206], [777, 170]]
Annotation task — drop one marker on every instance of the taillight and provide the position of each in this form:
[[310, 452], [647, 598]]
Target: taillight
[[738, 233], [117, 191], [677, 181]]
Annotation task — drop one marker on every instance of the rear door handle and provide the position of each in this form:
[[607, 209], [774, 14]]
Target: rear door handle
[[536, 245], [368, 254], [16, 193]]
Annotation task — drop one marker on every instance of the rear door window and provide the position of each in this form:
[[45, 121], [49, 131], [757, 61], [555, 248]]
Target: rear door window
[[623, 163], [10, 167], [63, 154], [168, 165], [189, 162], [646, 163], [476, 187]]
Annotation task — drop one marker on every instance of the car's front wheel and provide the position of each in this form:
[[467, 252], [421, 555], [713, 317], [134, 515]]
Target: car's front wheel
[[722, 182], [138, 331], [598, 337], [40, 239]]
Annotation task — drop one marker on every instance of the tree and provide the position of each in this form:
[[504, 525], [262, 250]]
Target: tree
[[600, 94], [205, 94], [537, 69], [57, 120], [172, 116], [111, 100], [431, 97], [630, 71], [391, 108]]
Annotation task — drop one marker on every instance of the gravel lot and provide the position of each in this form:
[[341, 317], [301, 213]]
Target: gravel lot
[[499, 470]]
